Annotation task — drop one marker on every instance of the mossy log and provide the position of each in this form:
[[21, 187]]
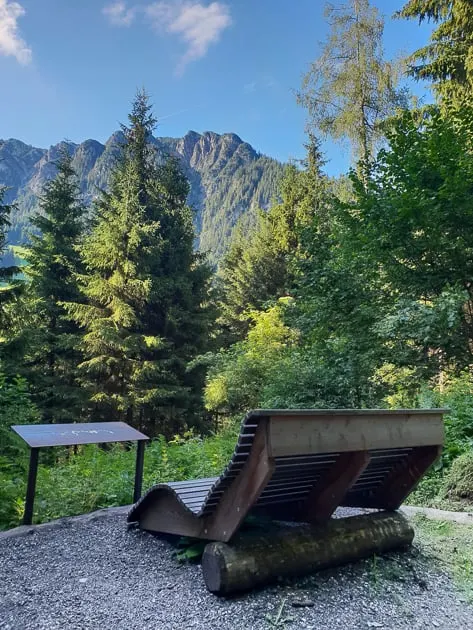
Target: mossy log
[[256, 559]]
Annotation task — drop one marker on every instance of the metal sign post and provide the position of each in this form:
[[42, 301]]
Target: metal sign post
[[44, 435]]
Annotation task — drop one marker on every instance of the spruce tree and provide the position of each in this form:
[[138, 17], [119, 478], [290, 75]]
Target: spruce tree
[[447, 60], [259, 266], [145, 316], [50, 338]]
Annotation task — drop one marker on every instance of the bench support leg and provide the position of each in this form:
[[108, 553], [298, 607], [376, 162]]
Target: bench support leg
[[402, 482], [329, 491]]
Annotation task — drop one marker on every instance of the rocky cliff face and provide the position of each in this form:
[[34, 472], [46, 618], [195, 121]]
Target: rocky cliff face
[[227, 177]]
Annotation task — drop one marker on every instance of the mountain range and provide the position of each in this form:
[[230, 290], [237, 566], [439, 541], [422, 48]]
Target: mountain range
[[227, 179]]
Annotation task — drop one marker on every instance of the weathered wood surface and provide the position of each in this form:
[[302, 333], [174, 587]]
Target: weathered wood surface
[[259, 559], [300, 465], [303, 435], [327, 494], [243, 492], [402, 481]]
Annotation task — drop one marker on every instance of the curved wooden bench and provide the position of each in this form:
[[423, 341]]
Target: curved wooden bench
[[300, 465]]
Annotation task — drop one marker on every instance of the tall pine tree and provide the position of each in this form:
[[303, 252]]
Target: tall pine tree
[[146, 314], [53, 260]]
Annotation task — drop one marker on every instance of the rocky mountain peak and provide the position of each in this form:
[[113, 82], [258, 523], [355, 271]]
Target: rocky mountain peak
[[227, 177]]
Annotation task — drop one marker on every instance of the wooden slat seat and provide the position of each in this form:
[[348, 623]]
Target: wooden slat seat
[[300, 465]]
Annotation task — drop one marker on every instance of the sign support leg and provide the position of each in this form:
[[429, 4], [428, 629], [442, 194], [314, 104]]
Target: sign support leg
[[140, 452], [31, 487]]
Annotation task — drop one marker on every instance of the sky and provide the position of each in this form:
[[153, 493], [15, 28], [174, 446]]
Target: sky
[[70, 68]]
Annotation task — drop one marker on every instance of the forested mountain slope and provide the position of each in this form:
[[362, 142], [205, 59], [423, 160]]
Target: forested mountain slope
[[227, 177]]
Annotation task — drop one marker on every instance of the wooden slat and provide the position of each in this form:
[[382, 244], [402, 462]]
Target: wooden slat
[[330, 490], [402, 481], [243, 493], [303, 435]]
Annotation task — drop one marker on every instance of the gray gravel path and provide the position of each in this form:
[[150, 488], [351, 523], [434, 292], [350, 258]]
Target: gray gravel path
[[95, 575]]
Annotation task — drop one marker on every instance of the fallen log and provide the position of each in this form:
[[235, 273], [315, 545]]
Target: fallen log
[[256, 559]]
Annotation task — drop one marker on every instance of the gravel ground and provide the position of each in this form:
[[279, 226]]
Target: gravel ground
[[93, 574]]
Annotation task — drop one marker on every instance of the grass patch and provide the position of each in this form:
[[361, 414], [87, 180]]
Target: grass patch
[[451, 545]]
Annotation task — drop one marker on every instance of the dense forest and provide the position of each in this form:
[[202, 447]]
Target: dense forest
[[347, 293]]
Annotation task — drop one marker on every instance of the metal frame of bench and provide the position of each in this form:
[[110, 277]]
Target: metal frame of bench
[[300, 465]]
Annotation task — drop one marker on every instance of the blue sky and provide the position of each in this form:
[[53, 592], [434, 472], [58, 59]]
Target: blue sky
[[69, 68]]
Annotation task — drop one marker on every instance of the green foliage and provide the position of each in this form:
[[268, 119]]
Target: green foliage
[[15, 408], [413, 222], [146, 310], [456, 394], [237, 379], [447, 60], [351, 89], [8, 288], [427, 492], [190, 549], [253, 273], [459, 480], [259, 266], [50, 340], [303, 378]]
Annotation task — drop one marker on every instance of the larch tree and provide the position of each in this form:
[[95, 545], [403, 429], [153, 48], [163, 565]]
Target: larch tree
[[447, 60], [350, 89], [146, 314]]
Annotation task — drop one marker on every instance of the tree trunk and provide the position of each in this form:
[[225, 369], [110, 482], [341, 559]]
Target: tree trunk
[[255, 559]]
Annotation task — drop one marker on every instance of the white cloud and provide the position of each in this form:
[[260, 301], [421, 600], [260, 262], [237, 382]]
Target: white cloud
[[11, 43], [118, 14], [199, 26]]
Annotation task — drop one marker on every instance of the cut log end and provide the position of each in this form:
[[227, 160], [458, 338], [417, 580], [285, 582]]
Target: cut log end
[[253, 560]]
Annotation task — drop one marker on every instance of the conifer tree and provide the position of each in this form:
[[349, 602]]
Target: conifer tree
[[7, 289], [447, 60], [50, 337], [351, 89], [145, 316], [259, 266]]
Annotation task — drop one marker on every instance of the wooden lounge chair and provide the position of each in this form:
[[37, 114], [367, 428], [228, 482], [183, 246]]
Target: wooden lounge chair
[[300, 465]]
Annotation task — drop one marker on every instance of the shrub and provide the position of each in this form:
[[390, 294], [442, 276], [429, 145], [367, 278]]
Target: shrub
[[456, 394], [458, 482]]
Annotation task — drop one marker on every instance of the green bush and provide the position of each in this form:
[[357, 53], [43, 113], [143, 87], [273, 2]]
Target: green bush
[[427, 492], [456, 394], [239, 375], [15, 408], [458, 483]]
